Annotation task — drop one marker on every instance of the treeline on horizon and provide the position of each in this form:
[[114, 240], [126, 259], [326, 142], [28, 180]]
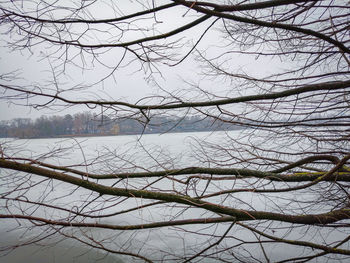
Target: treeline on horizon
[[90, 124]]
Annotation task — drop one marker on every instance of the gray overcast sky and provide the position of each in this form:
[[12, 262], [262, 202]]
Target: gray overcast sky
[[33, 70], [129, 83]]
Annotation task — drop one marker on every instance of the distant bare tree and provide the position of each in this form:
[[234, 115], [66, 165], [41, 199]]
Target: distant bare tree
[[278, 68]]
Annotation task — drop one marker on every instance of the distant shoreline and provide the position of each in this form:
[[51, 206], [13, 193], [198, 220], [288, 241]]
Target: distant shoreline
[[109, 135]]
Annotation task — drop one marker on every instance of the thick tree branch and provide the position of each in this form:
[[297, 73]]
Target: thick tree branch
[[240, 215], [69, 223], [261, 23], [343, 176], [328, 86]]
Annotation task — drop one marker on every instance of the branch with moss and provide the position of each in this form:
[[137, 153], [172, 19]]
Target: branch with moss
[[240, 215], [343, 175]]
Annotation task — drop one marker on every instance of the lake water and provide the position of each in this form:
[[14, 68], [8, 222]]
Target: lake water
[[134, 153]]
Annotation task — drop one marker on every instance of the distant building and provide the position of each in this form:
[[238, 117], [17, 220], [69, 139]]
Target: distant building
[[115, 129]]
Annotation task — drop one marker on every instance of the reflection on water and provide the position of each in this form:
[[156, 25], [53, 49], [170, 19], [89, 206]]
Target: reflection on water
[[58, 253], [55, 250]]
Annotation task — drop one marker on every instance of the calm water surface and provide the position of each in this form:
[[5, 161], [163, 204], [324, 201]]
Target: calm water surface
[[175, 149], [155, 152]]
